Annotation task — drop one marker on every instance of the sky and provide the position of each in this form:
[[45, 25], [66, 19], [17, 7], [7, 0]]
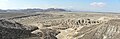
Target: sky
[[80, 5]]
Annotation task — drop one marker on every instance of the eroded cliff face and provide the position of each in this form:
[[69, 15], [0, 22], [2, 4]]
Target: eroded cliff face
[[68, 26]]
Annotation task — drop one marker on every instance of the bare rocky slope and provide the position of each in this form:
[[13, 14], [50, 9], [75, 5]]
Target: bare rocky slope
[[63, 25], [15, 30]]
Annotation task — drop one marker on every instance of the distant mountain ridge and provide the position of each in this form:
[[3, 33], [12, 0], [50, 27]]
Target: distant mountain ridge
[[30, 10]]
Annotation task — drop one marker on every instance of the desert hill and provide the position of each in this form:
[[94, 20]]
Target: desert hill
[[62, 25]]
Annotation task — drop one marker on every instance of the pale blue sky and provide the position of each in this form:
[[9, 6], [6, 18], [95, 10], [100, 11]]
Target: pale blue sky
[[84, 5]]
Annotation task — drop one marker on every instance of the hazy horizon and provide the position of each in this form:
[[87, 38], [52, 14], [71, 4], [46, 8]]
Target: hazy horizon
[[83, 5]]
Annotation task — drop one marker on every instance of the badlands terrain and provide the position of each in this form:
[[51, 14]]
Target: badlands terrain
[[60, 25]]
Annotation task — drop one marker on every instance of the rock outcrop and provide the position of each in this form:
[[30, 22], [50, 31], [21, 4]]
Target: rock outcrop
[[15, 30], [46, 33], [75, 23]]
